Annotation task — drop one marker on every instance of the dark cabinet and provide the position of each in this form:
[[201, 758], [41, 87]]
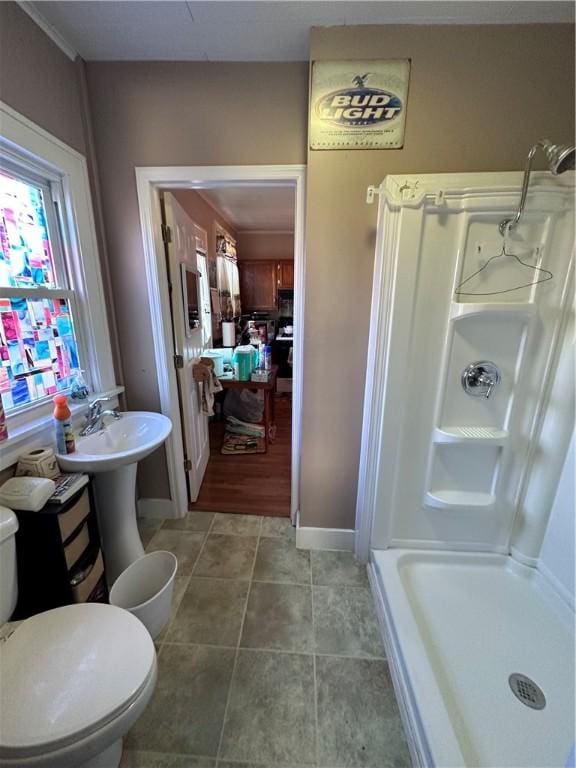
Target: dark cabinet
[[285, 270], [59, 557], [258, 283]]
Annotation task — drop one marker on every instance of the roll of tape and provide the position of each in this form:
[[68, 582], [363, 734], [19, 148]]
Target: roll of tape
[[39, 463]]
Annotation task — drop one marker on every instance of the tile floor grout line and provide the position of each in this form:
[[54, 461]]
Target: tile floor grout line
[[202, 645], [234, 533], [267, 764], [316, 731], [187, 755], [342, 586], [279, 651], [237, 654], [282, 583], [211, 523], [194, 756], [176, 606]]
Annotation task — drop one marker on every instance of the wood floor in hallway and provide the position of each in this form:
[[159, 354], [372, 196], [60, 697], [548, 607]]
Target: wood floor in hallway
[[255, 484]]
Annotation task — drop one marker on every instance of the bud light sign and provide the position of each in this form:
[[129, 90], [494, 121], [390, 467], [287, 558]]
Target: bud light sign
[[361, 106], [367, 111]]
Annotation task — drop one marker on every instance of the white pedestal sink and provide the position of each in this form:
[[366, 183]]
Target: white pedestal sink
[[112, 456]]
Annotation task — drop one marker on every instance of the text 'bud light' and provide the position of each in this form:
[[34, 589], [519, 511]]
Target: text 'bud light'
[[358, 106]]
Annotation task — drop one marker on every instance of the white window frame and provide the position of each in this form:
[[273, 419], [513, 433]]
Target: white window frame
[[50, 186], [25, 145]]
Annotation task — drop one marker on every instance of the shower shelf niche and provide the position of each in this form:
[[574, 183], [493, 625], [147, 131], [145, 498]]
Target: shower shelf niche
[[483, 435], [457, 499], [518, 309]]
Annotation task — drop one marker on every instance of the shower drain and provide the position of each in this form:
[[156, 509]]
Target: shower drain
[[527, 691]]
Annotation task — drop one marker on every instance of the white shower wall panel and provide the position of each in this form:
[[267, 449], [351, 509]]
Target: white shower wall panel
[[557, 556], [494, 338], [436, 231], [472, 470], [483, 241]]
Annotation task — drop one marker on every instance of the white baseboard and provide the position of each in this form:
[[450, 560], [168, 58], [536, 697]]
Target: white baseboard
[[157, 508], [325, 538]]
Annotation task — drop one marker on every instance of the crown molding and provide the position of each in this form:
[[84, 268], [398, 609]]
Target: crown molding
[[32, 10]]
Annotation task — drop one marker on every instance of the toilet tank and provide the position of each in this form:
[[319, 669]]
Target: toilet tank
[[8, 573]]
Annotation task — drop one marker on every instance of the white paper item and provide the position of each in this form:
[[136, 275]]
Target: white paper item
[[229, 334]]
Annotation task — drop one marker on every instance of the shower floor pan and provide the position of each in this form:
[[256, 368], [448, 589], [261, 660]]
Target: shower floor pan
[[456, 627]]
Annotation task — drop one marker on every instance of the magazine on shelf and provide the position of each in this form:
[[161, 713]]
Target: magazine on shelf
[[67, 485]]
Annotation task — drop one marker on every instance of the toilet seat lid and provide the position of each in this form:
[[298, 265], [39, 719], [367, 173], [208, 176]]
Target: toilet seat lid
[[65, 672]]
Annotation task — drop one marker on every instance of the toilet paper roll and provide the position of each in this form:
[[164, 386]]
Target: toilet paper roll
[[229, 334], [38, 463]]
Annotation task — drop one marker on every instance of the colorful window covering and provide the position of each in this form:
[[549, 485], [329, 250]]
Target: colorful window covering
[[38, 350], [25, 252], [38, 347]]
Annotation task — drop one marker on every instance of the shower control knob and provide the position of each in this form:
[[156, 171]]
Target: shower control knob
[[479, 379]]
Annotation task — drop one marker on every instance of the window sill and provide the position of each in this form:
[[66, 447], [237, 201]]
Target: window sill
[[39, 432]]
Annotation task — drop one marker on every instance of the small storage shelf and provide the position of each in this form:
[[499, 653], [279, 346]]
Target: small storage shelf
[[458, 499], [468, 435], [59, 557], [459, 310]]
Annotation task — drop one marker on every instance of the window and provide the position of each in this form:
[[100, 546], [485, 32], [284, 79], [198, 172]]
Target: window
[[52, 304], [39, 353]]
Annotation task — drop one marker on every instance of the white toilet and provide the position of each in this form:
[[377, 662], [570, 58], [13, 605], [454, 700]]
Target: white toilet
[[73, 680]]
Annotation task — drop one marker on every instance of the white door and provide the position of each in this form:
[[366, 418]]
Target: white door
[[187, 319]]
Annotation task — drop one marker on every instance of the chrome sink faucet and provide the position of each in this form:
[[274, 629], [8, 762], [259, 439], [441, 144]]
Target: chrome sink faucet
[[95, 416]]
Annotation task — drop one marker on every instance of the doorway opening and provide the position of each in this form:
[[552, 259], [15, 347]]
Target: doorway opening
[[225, 264]]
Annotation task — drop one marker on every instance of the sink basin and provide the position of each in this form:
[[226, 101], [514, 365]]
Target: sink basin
[[112, 456], [123, 441]]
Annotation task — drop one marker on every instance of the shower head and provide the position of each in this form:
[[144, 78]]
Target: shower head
[[560, 159], [560, 156]]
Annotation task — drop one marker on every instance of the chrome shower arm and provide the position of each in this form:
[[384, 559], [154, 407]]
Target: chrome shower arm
[[509, 224], [560, 159]]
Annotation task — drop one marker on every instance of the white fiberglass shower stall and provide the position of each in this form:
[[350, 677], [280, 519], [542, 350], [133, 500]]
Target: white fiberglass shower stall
[[468, 414]]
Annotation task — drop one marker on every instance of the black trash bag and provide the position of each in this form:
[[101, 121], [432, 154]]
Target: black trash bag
[[244, 404]]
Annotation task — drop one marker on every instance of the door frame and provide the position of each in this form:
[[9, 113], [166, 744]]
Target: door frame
[[149, 182]]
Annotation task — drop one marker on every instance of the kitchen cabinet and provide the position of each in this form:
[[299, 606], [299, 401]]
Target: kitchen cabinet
[[285, 271], [258, 283]]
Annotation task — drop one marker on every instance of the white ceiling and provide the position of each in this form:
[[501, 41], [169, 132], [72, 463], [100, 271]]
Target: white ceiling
[[261, 30], [255, 209]]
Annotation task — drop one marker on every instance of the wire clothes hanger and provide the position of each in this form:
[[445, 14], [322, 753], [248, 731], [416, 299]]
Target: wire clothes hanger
[[543, 275]]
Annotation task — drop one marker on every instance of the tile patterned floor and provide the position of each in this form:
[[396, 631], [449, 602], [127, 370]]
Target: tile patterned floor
[[272, 656]]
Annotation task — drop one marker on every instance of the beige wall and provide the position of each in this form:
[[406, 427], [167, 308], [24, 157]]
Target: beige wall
[[479, 98], [40, 82], [203, 215], [184, 113], [265, 245], [37, 79]]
